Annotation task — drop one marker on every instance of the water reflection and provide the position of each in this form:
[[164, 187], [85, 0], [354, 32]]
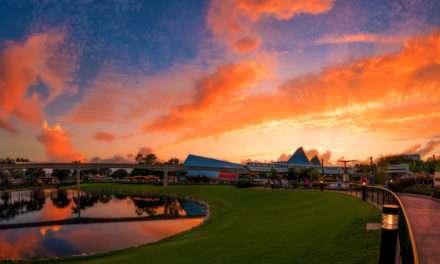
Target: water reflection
[[50, 205], [51, 239]]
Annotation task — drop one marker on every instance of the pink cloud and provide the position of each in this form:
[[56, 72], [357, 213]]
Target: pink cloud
[[232, 22], [395, 94], [57, 144], [104, 136], [107, 100], [226, 83], [39, 58], [359, 37]]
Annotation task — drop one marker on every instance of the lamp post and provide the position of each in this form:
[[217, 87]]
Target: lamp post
[[364, 190], [390, 230]]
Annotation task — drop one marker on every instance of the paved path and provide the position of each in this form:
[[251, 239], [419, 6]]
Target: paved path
[[424, 216]]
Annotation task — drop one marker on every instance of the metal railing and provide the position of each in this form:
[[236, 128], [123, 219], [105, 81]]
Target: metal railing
[[380, 196]]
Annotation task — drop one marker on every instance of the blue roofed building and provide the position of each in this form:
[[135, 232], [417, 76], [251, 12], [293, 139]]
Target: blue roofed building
[[200, 161]]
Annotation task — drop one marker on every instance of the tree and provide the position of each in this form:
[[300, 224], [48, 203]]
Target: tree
[[148, 159], [172, 161], [293, 174], [139, 172], [119, 174], [34, 173], [272, 175], [61, 175]]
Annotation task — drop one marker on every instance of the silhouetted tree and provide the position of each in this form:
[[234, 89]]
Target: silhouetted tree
[[61, 175], [149, 159], [120, 173], [172, 161]]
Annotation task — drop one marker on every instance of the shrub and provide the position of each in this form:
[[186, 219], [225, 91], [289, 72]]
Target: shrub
[[244, 183]]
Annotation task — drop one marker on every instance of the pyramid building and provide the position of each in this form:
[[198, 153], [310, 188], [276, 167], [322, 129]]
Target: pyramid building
[[299, 158], [315, 161]]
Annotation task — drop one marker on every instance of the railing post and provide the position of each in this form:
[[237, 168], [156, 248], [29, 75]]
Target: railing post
[[364, 192], [78, 186], [390, 226], [165, 178]]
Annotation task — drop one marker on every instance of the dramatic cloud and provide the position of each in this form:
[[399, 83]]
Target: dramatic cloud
[[41, 58], [104, 136], [57, 144], [122, 98], [232, 22], [247, 44], [226, 84], [429, 147], [326, 156], [284, 157], [397, 93], [282, 9], [359, 37]]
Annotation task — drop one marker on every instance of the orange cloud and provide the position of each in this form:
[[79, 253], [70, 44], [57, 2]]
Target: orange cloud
[[104, 136], [232, 22], [57, 144], [226, 84], [359, 37], [326, 156], [282, 9], [107, 99], [247, 44], [39, 58], [397, 93], [429, 147]]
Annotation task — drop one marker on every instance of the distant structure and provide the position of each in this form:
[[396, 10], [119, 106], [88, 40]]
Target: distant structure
[[408, 156], [398, 170], [200, 161], [297, 160]]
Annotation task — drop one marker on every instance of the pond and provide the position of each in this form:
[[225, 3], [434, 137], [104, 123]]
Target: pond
[[41, 224]]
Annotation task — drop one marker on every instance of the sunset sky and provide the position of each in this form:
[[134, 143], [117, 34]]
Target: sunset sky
[[231, 79]]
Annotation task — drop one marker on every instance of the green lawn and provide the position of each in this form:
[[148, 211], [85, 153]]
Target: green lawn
[[262, 226]]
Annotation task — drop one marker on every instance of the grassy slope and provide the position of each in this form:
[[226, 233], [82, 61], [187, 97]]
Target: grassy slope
[[262, 226]]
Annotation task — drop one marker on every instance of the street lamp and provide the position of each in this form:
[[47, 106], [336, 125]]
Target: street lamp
[[390, 230]]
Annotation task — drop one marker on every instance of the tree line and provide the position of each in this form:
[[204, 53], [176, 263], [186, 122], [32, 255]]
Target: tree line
[[62, 174]]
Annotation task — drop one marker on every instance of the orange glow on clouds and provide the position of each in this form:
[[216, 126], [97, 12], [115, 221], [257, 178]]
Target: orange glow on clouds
[[39, 58], [396, 93], [232, 22], [359, 37], [57, 144], [282, 9], [211, 93], [104, 136]]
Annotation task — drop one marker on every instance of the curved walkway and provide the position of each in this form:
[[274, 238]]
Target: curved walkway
[[424, 216]]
